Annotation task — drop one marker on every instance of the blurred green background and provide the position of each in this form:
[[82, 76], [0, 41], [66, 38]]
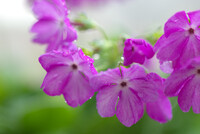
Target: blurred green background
[[26, 109]]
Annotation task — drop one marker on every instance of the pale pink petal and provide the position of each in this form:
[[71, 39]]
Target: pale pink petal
[[178, 22], [185, 96], [166, 67], [55, 80], [78, 90], [160, 110], [107, 100], [129, 108]]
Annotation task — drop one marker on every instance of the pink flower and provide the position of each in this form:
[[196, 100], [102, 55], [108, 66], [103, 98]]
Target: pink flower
[[68, 75], [161, 109], [122, 93], [185, 83], [53, 26], [181, 39], [136, 50]]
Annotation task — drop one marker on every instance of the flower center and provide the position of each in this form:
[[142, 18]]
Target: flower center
[[133, 49], [61, 23], [198, 71], [191, 31], [74, 66], [123, 84]]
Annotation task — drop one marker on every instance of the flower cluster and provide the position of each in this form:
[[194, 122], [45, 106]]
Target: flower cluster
[[125, 90]]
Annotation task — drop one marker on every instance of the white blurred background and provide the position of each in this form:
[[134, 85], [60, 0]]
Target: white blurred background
[[19, 56]]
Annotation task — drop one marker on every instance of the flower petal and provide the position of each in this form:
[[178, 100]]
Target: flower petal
[[160, 110], [196, 95], [71, 33], [185, 96], [45, 30], [175, 82], [77, 93], [44, 9], [55, 58], [145, 89], [170, 48], [136, 50], [55, 80], [129, 108], [106, 101], [191, 50], [194, 18], [178, 22], [111, 76], [133, 72]]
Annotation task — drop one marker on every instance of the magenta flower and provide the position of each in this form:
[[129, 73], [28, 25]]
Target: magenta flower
[[136, 50], [159, 110], [68, 75], [69, 47], [185, 83], [53, 26], [181, 39], [122, 93]]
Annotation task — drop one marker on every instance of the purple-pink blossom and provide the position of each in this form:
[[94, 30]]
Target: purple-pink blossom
[[161, 109], [185, 83], [181, 39], [137, 50], [123, 92], [68, 74], [53, 27]]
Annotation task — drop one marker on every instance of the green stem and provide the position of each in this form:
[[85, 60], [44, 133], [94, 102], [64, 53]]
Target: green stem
[[100, 29]]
